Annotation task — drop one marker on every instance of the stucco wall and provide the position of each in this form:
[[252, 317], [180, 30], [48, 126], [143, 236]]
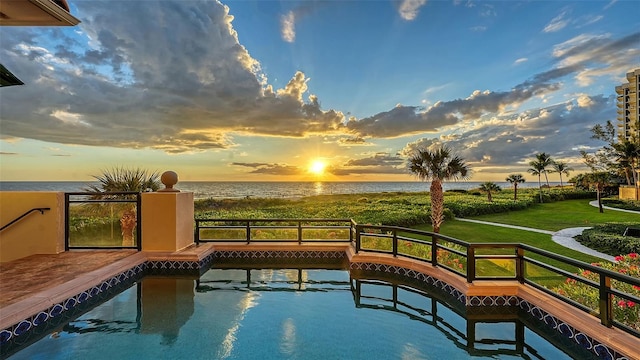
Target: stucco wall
[[36, 233], [167, 221], [628, 193]]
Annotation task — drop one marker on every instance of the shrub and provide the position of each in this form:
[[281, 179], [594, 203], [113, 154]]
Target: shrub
[[608, 239], [622, 204], [624, 310]]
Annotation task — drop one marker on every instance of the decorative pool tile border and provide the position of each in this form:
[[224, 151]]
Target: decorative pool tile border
[[28, 326], [278, 254], [17, 333], [552, 322]]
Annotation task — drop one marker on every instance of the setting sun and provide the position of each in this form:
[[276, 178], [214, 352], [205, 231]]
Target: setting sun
[[317, 167]]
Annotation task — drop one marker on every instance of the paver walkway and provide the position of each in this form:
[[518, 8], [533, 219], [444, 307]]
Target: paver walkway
[[564, 237]]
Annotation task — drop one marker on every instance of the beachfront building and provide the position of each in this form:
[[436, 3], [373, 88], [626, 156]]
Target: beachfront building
[[628, 102]]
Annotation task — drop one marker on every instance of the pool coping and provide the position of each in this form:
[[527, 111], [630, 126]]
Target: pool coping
[[585, 330]]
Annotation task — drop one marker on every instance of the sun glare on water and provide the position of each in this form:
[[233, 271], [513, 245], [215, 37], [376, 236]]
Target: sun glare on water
[[317, 167]]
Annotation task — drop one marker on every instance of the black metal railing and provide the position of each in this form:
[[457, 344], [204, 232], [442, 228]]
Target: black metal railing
[[526, 264], [40, 209], [103, 220], [273, 230], [462, 259]]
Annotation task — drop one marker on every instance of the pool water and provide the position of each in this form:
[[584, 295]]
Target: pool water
[[282, 314]]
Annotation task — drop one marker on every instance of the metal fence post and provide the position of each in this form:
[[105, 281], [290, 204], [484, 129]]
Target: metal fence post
[[299, 232], [248, 228], [196, 233], [67, 233], [139, 222], [471, 264], [520, 275], [358, 238], [434, 250], [606, 308], [395, 243]]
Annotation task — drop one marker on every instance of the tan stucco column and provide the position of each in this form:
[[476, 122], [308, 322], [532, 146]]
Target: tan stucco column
[[167, 221]]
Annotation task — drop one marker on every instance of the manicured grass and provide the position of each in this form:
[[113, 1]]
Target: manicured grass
[[480, 233], [560, 215]]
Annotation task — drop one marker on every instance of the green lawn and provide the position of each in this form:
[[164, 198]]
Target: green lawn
[[560, 215]]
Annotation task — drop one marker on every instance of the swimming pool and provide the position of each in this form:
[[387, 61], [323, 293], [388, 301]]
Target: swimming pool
[[288, 314]]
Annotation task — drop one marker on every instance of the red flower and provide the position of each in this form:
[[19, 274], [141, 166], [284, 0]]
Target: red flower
[[636, 287], [622, 303], [633, 255], [619, 258], [631, 304]]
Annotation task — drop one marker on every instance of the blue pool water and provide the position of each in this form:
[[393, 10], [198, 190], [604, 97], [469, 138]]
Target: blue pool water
[[282, 314]]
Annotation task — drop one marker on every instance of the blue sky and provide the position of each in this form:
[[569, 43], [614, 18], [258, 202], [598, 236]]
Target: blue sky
[[259, 90]]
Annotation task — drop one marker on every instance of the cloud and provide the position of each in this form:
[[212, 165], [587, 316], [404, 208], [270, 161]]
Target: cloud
[[378, 163], [288, 26], [404, 120], [520, 60], [557, 23], [409, 9], [289, 20], [269, 168], [142, 84], [512, 140]]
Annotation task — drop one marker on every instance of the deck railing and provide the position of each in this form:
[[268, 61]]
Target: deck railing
[[543, 270], [274, 230], [103, 220]]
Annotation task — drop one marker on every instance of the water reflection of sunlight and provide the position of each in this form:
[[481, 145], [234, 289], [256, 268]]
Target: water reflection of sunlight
[[317, 187], [409, 352], [288, 343], [246, 303]]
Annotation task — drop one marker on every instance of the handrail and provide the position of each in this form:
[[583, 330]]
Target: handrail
[[41, 209]]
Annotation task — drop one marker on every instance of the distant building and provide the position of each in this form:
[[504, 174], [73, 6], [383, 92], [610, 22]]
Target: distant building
[[629, 107]]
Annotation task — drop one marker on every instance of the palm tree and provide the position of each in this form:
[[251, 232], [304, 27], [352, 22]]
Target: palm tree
[[437, 166], [628, 155], [120, 179], [545, 161], [488, 187], [537, 169], [515, 179], [561, 168], [599, 180]]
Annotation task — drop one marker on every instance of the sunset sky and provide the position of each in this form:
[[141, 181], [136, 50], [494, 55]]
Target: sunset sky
[[271, 90]]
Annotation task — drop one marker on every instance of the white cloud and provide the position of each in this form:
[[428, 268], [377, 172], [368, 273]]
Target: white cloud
[[558, 23], [409, 9], [521, 60], [288, 26]]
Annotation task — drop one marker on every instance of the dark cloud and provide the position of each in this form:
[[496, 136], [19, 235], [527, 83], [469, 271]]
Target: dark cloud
[[270, 169], [379, 163]]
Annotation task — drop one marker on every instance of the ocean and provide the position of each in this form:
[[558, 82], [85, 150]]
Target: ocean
[[238, 189]]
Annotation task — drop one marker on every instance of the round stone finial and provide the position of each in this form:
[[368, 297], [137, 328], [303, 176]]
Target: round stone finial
[[169, 178]]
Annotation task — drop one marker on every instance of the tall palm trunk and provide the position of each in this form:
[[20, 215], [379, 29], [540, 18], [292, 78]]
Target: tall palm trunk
[[437, 204], [540, 187], [515, 191]]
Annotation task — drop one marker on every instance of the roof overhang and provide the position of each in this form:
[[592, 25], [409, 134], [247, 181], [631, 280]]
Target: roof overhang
[[36, 13], [7, 78]]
